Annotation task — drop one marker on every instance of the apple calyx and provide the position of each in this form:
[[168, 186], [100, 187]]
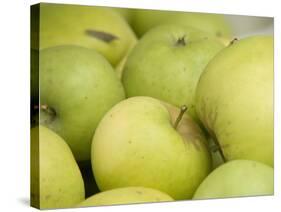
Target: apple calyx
[[233, 41], [181, 41], [183, 109], [103, 36]]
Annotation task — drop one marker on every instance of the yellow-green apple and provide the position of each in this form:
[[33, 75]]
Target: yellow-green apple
[[77, 87], [143, 142], [143, 20], [237, 178], [167, 62], [234, 99], [99, 28], [58, 182], [126, 195]]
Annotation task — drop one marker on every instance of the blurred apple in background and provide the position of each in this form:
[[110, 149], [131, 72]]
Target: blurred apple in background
[[100, 28], [144, 20]]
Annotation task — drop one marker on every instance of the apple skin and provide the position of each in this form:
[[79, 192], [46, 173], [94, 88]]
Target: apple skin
[[80, 86], [60, 181], [162, 67], [234, 99], [126, 13], [135, 144], [121, 65], [62, 24], [126, 195], [237, 178], [143, 20]]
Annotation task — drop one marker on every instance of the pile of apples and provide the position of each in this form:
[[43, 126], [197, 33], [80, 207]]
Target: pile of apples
[[147, 106]]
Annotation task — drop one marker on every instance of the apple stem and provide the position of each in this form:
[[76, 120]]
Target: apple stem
[[182, 111], [103, 36], [233, 41]]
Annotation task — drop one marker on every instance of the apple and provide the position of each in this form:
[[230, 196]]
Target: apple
[[56, 179], [144, 20], [99, 28], [167, 62], [77, 87], [143, 142], [237, 178], [234, 99], [126, 195]]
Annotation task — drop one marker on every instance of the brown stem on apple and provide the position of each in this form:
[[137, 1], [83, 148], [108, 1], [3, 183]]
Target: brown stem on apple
[[233, 41], [182, 111], [103, 36]]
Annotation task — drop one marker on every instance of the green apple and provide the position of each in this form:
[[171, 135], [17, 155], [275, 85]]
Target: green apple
[[144, 20], [99, 28], [237, 178], [77, 87], [167, 62], [143, 142], [234, 99], [126, 195], [59, 183]]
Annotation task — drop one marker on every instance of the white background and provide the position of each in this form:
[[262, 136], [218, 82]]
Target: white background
[[14, 102]]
